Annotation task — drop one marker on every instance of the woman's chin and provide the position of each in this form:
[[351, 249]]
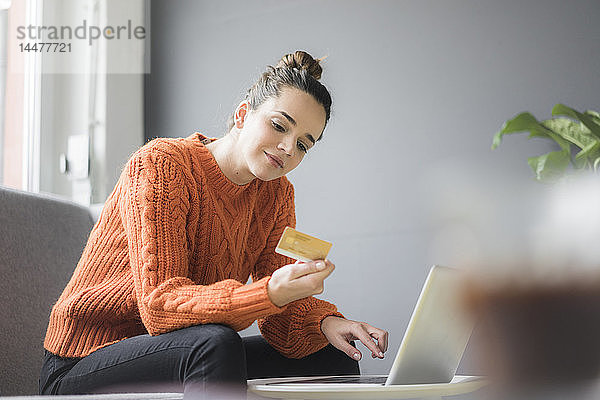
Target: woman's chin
[[266, 175], [268, 178]]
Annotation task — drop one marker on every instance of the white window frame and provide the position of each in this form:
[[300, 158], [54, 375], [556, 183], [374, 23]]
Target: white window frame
[[3, 74], [32, 105]]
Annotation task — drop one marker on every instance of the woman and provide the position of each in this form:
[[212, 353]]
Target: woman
[[160, 290]]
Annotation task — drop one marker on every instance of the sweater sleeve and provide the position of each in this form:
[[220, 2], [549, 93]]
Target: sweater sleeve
[[295, 332], [156, 213]]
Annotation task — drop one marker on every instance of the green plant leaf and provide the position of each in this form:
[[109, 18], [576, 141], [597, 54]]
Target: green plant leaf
[[587, 155], [574, 132], [527, 122], [586, 119], [549, 167], [596, 164], [594, 115], [519, 123]]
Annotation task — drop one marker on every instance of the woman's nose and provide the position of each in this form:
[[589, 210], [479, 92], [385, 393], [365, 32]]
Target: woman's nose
[[287, 146]]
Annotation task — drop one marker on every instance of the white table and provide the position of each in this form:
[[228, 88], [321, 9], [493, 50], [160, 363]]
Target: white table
[[461, 384]]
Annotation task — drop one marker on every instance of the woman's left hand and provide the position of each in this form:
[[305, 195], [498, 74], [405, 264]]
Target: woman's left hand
[[340, 332]]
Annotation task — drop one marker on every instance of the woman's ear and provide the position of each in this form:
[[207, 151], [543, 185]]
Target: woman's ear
[[240, 114]]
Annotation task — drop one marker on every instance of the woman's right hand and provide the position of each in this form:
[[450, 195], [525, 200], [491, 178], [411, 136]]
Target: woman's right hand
[[297, 281]]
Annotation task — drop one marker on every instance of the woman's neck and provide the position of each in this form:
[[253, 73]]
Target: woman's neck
[[230, 160]]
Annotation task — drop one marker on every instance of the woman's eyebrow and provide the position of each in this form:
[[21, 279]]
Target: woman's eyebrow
[[293, 122], [289, 118]]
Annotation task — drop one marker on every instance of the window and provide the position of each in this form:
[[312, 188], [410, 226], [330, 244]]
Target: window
[[3, 65], [19, 99], [71, 118]]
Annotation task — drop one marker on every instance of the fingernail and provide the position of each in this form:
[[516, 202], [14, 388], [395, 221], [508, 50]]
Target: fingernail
[[380, 354], [320, 265], [356, 356]]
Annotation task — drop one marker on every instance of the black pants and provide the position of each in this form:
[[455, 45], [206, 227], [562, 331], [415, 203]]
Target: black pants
[[203, 361]]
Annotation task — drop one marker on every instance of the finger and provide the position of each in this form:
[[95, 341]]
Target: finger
[[324, 264], [306, 268], [380, 335], [347, 348], [385, 340], [381, 341], [329, 262], [318, 268], [329, 267], [363, 335]]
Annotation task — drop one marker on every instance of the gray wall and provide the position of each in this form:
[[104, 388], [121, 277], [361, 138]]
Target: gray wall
[[405, 177]]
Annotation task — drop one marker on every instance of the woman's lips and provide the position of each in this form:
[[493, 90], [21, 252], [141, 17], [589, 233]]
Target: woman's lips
[[274, 160]]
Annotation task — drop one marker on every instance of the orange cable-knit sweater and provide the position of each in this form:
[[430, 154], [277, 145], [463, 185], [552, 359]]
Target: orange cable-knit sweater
[[174, 246]]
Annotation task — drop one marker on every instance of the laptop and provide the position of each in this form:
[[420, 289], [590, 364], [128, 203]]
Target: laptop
[[430, 351]]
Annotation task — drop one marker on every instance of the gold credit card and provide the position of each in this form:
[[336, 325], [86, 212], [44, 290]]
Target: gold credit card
[[300, 246]]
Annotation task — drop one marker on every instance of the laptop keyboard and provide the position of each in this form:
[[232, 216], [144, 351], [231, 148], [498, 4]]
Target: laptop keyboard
[[379, 380]]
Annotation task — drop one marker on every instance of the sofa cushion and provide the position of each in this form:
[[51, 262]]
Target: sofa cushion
[[41, 240]]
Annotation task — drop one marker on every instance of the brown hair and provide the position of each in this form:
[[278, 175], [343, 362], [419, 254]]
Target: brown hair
[[297, 70]]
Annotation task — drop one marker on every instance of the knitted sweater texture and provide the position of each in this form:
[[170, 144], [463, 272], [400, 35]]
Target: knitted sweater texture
[[174, 246]]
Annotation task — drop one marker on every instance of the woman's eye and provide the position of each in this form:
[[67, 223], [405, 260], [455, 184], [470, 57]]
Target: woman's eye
[[302, 147], [277, 126]]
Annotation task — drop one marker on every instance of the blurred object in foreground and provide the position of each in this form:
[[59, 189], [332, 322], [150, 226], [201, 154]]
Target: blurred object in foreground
[[540, 316], [539, 334], [567, 239]]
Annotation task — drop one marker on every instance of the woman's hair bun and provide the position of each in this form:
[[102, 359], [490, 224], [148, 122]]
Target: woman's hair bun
[[301, 60], [293, 70]]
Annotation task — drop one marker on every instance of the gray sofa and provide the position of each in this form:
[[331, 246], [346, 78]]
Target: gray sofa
[[41, 240]]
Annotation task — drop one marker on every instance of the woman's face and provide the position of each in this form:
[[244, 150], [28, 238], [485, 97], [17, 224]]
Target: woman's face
[[276, 136]]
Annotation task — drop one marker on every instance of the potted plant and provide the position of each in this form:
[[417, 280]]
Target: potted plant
[[569, 129]]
